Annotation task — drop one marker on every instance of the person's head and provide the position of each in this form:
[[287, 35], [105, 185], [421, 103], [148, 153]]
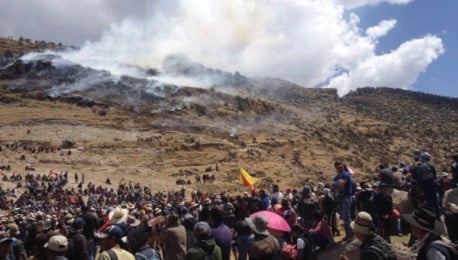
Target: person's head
[[202, 231], [285, 203], [258, 224], [275, 188], [56, 245], [216, 216], [110, 237], [363, 226], [5, 242], [13, 230], [78, 223], [423, 221], [136, 239], [340, 167]]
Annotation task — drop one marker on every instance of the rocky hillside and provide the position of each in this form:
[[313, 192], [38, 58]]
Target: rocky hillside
[[155, 133]]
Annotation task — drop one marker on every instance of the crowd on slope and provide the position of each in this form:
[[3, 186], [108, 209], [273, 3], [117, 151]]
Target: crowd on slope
[[51, 220]]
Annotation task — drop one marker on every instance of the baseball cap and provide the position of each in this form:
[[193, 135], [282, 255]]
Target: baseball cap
[[57, 243], [111, 231]]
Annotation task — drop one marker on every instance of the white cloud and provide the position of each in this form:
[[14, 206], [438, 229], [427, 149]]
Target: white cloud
[[307, 42], [381, 29], [399, 68], [351, 4]]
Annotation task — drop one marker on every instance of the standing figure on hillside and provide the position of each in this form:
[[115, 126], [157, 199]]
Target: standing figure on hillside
[[454, 170], [427, 186], [76, 177], [343, 187], [384, 206]]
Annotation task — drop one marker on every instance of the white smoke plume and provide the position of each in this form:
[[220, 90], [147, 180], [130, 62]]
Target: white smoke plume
[[311, 43]]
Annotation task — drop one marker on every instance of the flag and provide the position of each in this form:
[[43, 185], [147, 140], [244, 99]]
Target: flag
[[247, 179]]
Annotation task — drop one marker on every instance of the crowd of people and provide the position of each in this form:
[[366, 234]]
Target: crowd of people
[[51, 220]]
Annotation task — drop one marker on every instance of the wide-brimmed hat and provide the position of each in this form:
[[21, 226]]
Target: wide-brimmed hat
[[118, 215], [57, 243], [157, 211], [363, 224], [132, 221], [425, 220], [13, 229], [258, 224]]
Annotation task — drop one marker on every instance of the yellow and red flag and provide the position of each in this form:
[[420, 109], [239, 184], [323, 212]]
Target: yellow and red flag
[[247, 179]]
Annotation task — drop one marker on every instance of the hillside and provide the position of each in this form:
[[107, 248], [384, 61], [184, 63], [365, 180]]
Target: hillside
[[155, 133]]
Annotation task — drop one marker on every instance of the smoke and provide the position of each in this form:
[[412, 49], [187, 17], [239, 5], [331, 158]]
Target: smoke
[[312, 43]]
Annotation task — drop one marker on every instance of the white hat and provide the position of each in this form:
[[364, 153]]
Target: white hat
[[363, 224], [57, 243], [118, 215]]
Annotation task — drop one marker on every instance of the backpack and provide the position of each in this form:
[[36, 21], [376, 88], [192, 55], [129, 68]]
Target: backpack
[[447, 248], [144, 257], [205, 254]]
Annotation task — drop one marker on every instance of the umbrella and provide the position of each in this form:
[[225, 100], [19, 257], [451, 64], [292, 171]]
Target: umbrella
[[274, 221]]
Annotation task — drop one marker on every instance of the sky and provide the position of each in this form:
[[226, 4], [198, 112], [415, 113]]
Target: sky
[[342, 44]]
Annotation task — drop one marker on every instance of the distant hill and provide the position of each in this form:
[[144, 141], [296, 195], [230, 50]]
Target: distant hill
[[279, 131]]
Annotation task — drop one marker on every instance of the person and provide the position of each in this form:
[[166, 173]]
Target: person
[[373, 247], [450, 206], [110, 239], [206, 246], [343, 186], [321, 233], [221, 232], [243, 238], [428, 231], [137, 240], [77, 249], [383, 202], [91, 224], [174, 238], [17, 251], [56, 247], [5, 245], [288, 212], [427, 186], [264, 246], [454, 170]]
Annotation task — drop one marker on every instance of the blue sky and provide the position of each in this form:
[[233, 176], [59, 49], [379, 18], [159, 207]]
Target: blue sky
[[342, 44], [417, 19]]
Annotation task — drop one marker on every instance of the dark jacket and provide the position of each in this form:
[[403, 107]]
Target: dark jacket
[[203, 247], [376, 248]]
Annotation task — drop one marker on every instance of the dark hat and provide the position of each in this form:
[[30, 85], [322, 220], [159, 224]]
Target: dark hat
[[386, 178], [78, 223], [307, 190], [258, 224], [425, 220]]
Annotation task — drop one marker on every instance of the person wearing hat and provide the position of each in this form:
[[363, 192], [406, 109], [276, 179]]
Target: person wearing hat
[[450, 206], [5, 242], [373, 247], [428, 231], [77, 241], [383, 202], [264, 246], [174, 238], [17, 245], [343, 186], [56, 247], [424, 173], [205, 246], [110, 240]]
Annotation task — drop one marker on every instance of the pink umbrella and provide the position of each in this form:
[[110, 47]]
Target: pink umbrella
[[275, 221]]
